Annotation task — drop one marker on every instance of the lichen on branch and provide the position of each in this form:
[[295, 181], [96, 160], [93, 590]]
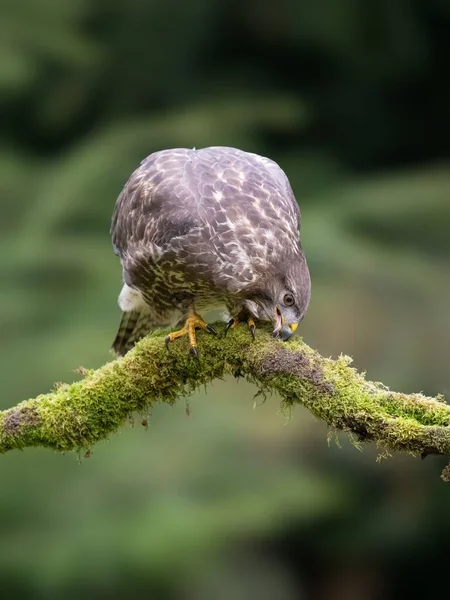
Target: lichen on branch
[[76, 416]]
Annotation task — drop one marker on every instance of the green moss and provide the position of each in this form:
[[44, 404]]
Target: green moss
[[76, 416]]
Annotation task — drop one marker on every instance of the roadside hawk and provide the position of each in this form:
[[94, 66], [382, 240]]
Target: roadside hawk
[[205, 230]]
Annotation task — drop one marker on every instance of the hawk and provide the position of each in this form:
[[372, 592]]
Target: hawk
[[207, 229]]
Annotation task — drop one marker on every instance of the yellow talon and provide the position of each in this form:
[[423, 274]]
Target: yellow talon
[[251, 326], [192, 323], [235, 321]]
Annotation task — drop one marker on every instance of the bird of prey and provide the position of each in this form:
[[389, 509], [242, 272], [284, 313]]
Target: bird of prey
[[207, 229]]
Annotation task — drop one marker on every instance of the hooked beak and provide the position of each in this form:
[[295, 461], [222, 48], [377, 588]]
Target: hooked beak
[[287, 331], [281, 330]]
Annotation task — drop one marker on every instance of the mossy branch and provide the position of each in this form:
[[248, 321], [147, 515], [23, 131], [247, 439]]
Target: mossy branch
[[76, 416]]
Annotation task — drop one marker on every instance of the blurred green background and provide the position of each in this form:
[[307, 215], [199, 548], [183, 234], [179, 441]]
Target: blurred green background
[[352, 98]]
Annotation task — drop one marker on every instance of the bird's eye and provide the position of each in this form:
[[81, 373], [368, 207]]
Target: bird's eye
[[288, 299]]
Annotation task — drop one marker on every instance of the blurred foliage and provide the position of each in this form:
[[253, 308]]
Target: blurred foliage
[[351, 97]]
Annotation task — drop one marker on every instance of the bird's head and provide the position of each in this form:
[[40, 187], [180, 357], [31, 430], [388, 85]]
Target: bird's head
[[283, 298]]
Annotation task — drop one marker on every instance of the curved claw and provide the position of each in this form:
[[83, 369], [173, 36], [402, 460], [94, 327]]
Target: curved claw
[[231, 323], [211, 329], [252, 328], [194, 351], [167, 341]]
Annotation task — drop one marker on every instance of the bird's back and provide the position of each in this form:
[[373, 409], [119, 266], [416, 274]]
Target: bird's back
[[228, 191]]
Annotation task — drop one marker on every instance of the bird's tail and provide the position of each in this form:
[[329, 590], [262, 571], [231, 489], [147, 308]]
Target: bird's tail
[[134, 326]]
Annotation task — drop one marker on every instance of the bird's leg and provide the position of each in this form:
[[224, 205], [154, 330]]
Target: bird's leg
[[242, 317], [193, 322]]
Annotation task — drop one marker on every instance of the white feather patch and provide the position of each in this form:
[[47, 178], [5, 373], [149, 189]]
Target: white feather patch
[[130, 299]]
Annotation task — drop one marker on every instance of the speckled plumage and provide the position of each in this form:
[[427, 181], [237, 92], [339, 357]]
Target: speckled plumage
[[209, 228]]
